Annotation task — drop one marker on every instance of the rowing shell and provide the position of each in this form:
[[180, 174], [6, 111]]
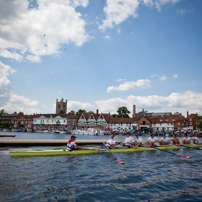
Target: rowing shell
[[92, 151]]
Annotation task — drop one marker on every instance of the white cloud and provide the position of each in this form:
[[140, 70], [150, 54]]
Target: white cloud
[[163, 78], [5, 71], [83, 3], [181, 11], [159, 3], [184, 11], [119, 80], [12, 55], [10, 101], [32, 33], [19, 99], [153, 75], [129, 85], [111, 105], [107, 37], [182, 102], [118, 11], [33, 58], [75, 105], [11, 108], [187, 99], [175, 76]]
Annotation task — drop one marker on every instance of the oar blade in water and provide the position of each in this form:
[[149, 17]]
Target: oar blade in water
[[120, 161], [183, 156]]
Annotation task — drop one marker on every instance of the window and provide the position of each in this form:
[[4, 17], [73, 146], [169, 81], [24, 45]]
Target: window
[[190, 123], [178, 124], [190, 119], [161, 120], [166, 119], [173, 119]]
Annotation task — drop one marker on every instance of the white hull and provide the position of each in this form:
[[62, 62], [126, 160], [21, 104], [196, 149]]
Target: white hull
[[89, 131], [83, 132]]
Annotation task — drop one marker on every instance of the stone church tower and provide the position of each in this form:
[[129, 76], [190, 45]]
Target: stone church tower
[[61, 107]]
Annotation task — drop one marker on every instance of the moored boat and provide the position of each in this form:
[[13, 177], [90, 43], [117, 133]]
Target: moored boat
[[89, 131], [62, 152]]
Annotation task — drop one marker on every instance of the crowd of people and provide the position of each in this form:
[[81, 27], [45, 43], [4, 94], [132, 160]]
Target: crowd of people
[[129, 142]]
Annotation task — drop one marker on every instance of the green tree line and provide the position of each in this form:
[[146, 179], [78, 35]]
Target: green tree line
[[122, 112]]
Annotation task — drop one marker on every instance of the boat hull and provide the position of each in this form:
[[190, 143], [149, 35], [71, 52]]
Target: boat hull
[[84, 133], [93, 151]]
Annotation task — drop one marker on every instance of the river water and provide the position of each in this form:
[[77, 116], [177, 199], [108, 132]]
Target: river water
[[146, 176]]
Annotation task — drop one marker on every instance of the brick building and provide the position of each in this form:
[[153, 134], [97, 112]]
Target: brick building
[[24, 121]]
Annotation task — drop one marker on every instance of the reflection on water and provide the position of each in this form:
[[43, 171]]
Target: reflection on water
[[146, 176]]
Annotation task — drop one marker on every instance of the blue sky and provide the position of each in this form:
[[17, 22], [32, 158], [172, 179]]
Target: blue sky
[[101, 55]]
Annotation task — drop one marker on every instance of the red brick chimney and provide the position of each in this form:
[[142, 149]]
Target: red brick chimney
[[97, 111], [187, 113], [134, 110]]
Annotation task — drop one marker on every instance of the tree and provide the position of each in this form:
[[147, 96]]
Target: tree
[[115, 115], [91, 112], [72, 112], [61, 112], [2, 112], [123, 112], [199, 125], [81, 110]]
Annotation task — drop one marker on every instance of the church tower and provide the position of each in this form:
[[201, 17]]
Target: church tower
[[61, 107]]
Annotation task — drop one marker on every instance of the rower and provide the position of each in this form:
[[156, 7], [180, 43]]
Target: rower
[[138, 142], [71, 145], [195, 139], [128, 142], [175, 140], [110, 143], [151, 141], [164, 140], [186, 139]]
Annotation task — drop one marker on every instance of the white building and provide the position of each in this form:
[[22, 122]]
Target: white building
[[162, 126], [123, 123], [93, 120], [50, 121]]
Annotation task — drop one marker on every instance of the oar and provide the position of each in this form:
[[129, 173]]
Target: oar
[[172, 153], [113, 154]]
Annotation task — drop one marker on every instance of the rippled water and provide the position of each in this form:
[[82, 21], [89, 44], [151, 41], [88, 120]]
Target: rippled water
[[146, 176]]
